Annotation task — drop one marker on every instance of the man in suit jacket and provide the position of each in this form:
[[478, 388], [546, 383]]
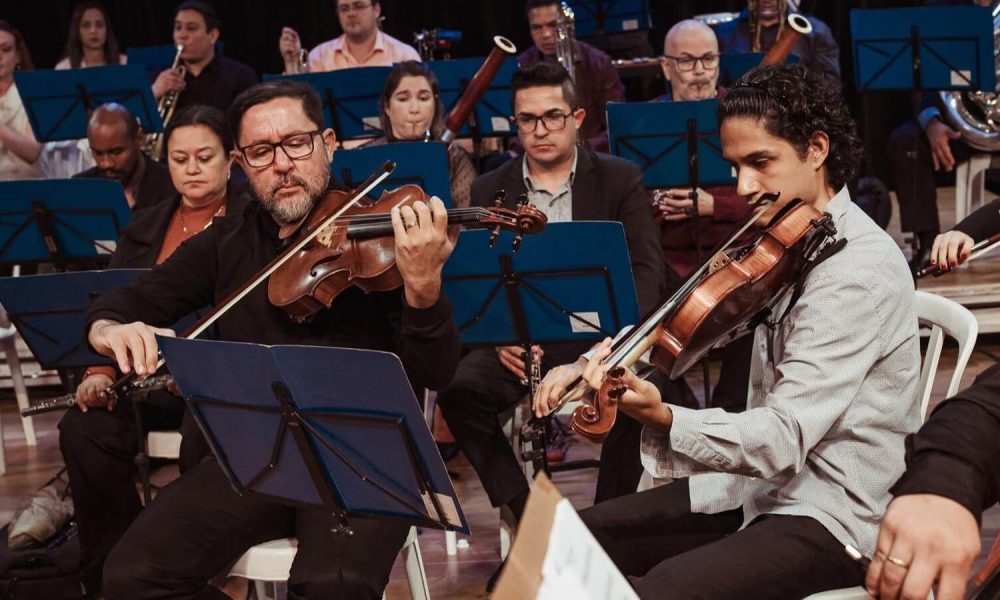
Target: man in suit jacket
[[568, 183], [115, 139]]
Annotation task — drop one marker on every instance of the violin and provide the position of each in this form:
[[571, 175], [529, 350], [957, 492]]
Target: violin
[[729, 295], [363, 235], [357, 248]]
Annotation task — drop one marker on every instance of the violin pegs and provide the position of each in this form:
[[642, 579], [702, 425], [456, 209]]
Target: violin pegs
[[522, 199], [498, 197], [494, 234], [516, 244]]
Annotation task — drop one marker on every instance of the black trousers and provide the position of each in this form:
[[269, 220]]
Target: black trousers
[[198, 526], [913, 176], [483, 388], [99, 449], [668, 551]]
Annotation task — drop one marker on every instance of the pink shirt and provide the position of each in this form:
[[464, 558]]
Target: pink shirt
[[333, 55]]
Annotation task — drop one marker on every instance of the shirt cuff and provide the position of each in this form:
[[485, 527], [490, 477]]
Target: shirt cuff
[[944, 475], [926, 115], [424, 320]]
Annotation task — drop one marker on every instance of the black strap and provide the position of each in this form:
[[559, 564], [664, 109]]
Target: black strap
[[824, 253]]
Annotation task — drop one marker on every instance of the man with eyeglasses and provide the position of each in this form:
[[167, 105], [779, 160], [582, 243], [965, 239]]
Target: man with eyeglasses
[[757, 28], [597, 81], [198, 525], [568, 183], [693, 222], [363, 43], [115, 139]]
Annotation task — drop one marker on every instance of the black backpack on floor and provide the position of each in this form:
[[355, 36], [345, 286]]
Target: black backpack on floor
[[50, 571]]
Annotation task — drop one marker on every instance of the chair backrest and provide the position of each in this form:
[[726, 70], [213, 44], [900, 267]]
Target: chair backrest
[[945, 317]]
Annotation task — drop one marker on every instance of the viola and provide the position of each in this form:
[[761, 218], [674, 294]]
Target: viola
[[730, 294], [357, 248]]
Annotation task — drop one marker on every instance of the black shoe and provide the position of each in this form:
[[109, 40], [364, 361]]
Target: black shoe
[[492, 581], [920, 259]]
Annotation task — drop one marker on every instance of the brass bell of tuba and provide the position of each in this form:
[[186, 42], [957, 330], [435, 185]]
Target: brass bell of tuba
[[976, 114]]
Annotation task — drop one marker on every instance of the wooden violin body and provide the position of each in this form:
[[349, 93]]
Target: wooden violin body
[[735, 292], [358, 249]]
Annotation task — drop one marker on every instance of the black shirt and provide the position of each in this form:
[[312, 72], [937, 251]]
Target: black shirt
[[155, 186], [982, 223], [956, 454], [208, 267], [218, 84]]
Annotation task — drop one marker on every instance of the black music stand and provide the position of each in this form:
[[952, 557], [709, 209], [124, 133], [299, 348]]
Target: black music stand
[[334, 427], [59, 103], [558, 287], [596, 17], [350, 99], [420, 163], [60, 220]]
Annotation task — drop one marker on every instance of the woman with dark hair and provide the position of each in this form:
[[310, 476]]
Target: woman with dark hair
[[19, 151], [91, 41], [98, 445], [411, 110]]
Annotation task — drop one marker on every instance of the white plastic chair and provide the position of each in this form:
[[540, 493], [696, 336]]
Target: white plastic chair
[[970, 184], [8, 343], [269, 563], [945, 317]]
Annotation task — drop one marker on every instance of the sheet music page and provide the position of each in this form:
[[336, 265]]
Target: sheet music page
[[575, 564]]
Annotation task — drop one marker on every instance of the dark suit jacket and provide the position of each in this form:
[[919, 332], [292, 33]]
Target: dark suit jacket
[[142, 238], [155, 186], [606, 188]]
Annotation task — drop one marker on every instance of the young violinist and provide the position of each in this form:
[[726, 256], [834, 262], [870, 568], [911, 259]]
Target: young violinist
[[198, 525], [775, 492]]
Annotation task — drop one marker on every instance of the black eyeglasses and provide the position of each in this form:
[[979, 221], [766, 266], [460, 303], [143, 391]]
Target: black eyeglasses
[[554, 120], [686, 63], [296, 147]]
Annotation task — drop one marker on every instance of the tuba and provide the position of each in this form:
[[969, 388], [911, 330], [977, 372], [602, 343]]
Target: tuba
[[566, 39], [166, 108], [976, 114]]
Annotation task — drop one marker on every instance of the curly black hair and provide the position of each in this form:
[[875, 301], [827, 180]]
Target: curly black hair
[[796, 103]]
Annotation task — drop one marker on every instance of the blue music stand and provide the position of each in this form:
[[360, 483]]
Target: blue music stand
[[158, 58], [595, 17], [334, 427], [491, 115], [59, 103], [48, 311], [350, 99], [932, 48], [60, 219], [421, 163], [675, 143], [733, 65], [560, 288]]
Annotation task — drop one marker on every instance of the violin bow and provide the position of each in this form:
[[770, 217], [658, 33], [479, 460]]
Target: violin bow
[[975, 252]]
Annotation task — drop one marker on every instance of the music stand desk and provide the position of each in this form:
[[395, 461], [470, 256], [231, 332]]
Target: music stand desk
[[661, 137], [59, 103], [314, 426], [926, 48], [421, 163]]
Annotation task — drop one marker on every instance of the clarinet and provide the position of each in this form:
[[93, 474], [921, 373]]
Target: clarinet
[[119, 390]]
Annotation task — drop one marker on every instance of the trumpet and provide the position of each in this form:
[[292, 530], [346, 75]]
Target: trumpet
[[166, 107]]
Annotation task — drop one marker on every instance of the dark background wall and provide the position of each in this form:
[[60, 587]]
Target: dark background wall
[[251, 28]]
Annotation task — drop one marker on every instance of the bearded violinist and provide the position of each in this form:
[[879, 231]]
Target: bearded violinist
[[198, 524], [775, 492]]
